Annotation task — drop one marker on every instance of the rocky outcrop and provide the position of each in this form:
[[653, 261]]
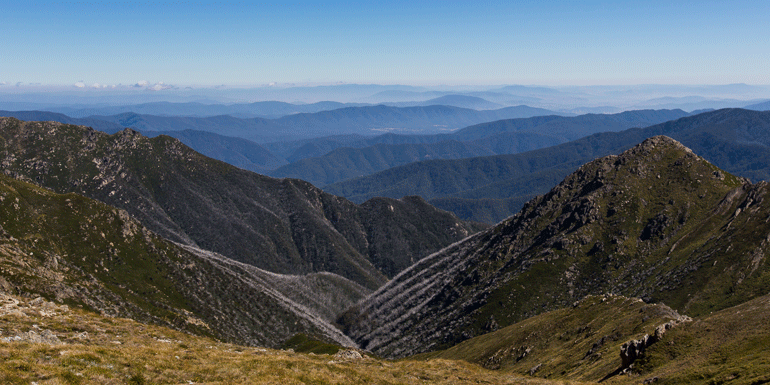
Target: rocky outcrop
[[634, 349], [44, 336]]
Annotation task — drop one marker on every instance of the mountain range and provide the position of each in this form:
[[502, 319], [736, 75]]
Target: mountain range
[[267, 109], [367, 120], [362, 120], [508, 136], [492, 188], [648, 266], [284, 226]]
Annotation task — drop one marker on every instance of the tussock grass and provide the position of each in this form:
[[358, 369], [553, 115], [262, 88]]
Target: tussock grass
[[103, 350]]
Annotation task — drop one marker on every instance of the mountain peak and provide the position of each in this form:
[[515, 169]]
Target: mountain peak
[[649, 223], [660, 140]]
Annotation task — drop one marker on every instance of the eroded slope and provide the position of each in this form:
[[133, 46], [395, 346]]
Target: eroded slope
[[656, 222]]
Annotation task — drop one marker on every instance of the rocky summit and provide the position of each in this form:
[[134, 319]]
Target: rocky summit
[[656, 222]]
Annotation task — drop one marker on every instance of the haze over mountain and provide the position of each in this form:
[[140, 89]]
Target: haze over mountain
[[492, 188], [656, 222], [463, 101], [97, 124], [764, 106], [286, 99], [693, 103], [266, 109], [586, 242], [368, 120], [494, 138], [239, 152]]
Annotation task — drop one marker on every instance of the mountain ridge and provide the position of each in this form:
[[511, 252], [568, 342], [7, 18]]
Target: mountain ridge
[[610, 227], [284, 226], [508, 136], [733, 139]]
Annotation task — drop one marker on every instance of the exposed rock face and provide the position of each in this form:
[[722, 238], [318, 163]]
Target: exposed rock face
[[43, 337], [634, 349], [348, 355], [281, 225], [656, 222]]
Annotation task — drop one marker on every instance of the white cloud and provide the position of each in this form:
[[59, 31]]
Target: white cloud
[[96, 85], [3, 83], [142, 83], [161, 86], [80, 84]]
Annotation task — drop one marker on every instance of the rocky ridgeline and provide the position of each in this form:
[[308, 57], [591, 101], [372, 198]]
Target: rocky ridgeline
[[656, 222]]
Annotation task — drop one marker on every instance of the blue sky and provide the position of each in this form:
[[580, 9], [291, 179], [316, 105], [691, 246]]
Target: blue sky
[[385, 42]]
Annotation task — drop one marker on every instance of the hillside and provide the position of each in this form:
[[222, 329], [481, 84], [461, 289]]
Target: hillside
[[238, 152], [580, 342], [284, 226], [583, 342], [346, 163], [732, 139], [656, 222], [46, 343], [764, 106], [571, 128], [86, 254]]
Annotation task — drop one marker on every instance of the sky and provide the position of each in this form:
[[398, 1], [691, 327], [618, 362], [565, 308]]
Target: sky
[[88, 43]]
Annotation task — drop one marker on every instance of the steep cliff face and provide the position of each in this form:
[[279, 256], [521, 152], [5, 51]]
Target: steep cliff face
[[656, 222], [82, 252], [281, 225]]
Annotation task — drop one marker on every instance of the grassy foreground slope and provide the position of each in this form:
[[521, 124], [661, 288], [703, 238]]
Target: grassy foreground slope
[[46, 343], [583, 342]]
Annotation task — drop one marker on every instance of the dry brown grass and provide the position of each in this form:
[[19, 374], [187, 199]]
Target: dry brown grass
[[103, 350]]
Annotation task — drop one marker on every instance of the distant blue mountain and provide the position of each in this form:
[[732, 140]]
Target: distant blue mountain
[[764, 106], [509, 136], [45, 116], [491, 188], [268, 109], [462, 101], [367, 120]]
